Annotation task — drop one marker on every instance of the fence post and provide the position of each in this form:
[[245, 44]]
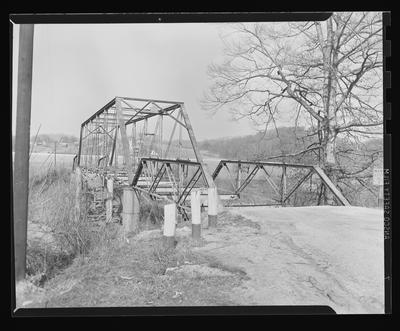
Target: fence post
[[169, 225], [196, 214], [130, 211], [109, 200], [212, 206]]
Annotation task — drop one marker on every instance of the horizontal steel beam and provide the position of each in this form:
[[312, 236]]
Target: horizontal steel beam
[[254, 205], [132, 111], [163, 197], [176, 161], [161, 112], [277, 164], [110, 104], [146, 116], [152, 100]]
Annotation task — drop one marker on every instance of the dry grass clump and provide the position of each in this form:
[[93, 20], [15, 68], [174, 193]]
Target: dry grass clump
[[135, 274], [57, 226], [41, 178], [151, 214], [43, 264]]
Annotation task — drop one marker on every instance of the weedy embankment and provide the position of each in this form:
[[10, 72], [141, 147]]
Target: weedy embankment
[[57, 227]]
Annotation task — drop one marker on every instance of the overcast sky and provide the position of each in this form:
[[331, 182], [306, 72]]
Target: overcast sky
[[78, 68]]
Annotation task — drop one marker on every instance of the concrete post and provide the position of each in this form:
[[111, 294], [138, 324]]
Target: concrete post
[[169, 225], [130, 211], [196, 214], [109, 199], [212, 206]]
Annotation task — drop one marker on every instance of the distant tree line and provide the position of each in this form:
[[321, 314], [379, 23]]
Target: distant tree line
[[284, 144], [258, 146], [52, 138]]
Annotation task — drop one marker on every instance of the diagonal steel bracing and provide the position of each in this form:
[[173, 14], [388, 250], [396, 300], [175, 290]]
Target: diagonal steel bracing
[[282, 190], [248, 179], [174, 189]]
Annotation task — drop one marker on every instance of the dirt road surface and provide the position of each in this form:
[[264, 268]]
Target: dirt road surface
[[305, 256]]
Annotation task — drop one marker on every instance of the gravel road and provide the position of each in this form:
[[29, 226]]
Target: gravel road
[[305, 256]]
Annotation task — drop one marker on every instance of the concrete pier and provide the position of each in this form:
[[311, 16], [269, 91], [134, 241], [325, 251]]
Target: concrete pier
[[130, 211]]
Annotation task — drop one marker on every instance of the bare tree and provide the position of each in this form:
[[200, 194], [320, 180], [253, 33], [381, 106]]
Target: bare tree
[[328, 73]]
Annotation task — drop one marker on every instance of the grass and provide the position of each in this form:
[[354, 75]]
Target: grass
[[84, 266], [54, 214], [134, 274], [57, 227], [96, 267]]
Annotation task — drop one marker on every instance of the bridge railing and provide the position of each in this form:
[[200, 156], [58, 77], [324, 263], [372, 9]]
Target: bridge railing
[[171, 178], [240, 174]]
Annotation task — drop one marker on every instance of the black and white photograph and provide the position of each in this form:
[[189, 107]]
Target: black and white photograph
[[206, 163]]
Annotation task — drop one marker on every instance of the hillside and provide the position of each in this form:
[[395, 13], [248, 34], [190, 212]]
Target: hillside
[[260, 145], [356, 160], [284, 140]]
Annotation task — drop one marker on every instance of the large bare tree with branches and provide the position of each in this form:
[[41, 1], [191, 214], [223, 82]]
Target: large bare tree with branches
[[328, 73]]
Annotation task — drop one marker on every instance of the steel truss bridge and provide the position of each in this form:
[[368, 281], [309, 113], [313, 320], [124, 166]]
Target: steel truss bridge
[[150, 145]]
